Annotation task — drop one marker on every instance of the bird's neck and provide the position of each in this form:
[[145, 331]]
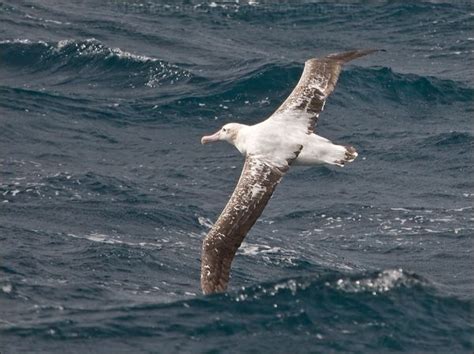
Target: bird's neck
[[240, 139]]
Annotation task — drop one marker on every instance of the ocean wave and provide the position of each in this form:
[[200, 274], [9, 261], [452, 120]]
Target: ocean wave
[[374, 284], [106, 194], [264, 87], [465, 140], [250, 82], [89, 66], [382, 82], [75, 61], [321, 310], [73, 187]]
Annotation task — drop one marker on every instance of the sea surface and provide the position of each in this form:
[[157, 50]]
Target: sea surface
[[106, 192]]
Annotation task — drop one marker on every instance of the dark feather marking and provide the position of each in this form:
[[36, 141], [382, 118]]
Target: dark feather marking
[[317, 82], [252, 193]]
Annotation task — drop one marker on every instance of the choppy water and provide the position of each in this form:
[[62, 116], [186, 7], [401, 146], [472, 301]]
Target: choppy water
[[106, 193]]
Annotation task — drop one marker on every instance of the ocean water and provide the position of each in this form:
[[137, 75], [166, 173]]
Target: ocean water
[[106, 192]]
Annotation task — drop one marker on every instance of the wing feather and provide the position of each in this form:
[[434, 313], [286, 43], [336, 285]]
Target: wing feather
[[254, 188], [317, 82]]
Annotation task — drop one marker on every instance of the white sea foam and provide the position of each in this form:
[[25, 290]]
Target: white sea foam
[[253, 249], [56, 22], [383, 282], [206, 222], [102, 238], [92, 46], [22, 41], [7, 288]]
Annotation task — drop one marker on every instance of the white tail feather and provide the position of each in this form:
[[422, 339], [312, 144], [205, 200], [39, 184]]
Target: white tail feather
[[318, 150]]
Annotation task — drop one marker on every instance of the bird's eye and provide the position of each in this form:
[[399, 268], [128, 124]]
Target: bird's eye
[[224, 130]]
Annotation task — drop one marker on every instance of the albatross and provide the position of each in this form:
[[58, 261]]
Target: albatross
[[270, 147]]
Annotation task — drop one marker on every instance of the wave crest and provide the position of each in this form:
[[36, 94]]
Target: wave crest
[[88, 60], [384, 281]]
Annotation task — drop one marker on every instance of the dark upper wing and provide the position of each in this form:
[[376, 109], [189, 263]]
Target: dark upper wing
[[255, 187], [318, 80]]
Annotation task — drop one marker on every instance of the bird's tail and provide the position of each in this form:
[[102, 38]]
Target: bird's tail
[[349, 156], [345, 155]]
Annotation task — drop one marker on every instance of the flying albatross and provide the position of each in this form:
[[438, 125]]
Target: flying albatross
[[270, 148]]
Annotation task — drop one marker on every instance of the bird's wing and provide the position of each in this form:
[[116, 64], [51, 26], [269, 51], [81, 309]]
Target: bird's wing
[[319, 78], [254, 188]]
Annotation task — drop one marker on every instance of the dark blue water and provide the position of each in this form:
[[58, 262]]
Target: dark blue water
[[106, 193]]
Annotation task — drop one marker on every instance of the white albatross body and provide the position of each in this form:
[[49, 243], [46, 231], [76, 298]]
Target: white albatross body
[[286, 138], [274, 139]]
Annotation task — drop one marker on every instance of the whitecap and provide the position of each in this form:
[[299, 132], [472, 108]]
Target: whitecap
[[383, 282], [103, 238]]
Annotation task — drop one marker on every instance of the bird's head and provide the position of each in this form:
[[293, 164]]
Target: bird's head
[[228, 132]]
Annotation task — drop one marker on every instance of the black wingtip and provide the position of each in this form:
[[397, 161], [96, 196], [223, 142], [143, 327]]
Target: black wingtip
[[353, 54]]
